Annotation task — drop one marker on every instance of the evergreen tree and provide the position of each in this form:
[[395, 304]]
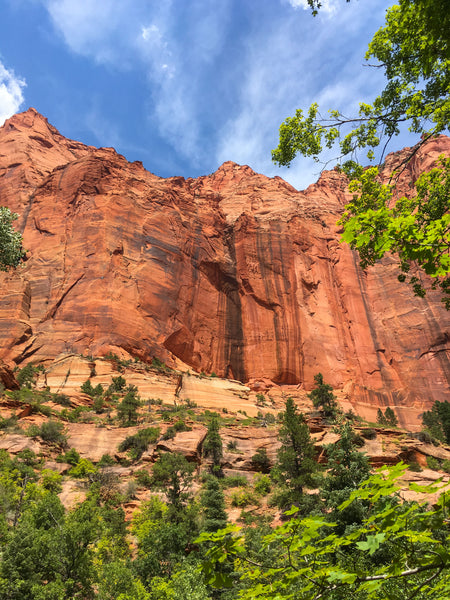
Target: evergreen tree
[[323, 398], [437, 421], [347, 467], [173, 474], [213, 503], [127, 409], [212, 445], [295, 466]]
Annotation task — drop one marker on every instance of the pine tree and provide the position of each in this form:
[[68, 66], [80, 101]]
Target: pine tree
[[212, 445], [296, 466], [213, 502], [322, 397]]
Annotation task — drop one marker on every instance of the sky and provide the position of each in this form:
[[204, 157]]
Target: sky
[[184, 85]]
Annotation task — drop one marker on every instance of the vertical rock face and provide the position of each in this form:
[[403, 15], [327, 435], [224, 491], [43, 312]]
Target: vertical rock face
[[233, 273]]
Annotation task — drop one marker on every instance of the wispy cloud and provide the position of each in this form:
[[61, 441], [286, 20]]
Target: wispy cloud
[[327, 6], [11, 93], [221, 77]]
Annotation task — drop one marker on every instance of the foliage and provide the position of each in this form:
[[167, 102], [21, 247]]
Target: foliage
[[262, 484], [322, 397], [295, 465], [53, 431], [118, 384], [413, 50], [416, 229], [171, 431], [137, 444], [26, 376], [212, 445], [437, 421], [261, 461], [213, 504], [83, 468], [11, 250], [387, 418], [347, 468], [398, 551], [173, 474], [127, 411]]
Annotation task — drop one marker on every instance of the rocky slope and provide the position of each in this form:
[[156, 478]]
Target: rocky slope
[[232, 273]]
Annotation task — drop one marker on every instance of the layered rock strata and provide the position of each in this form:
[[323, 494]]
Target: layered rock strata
[[233, 273]]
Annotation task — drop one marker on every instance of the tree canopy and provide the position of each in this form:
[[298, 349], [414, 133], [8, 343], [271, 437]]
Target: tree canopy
[[11, 250], [413, 50]]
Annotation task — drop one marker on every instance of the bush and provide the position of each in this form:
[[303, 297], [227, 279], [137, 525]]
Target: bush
[[82, 469], [27, 375], [243, 498], [433, 463], [71, 457], [262, 485], [446, 465], [53, 432], [234, 481], [137, 444], [261, 461], [143, 478], [368, 434], [106, 461], [174, 429], [232, 446]]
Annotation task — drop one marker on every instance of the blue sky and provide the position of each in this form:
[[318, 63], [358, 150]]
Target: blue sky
[[184, 85]]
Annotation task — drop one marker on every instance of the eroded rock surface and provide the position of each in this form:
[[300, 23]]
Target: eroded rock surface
[[232, 273]]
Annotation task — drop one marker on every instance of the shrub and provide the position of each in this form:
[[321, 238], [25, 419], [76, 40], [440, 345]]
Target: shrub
[[262, 485], [137, 444], [87, 388], [243, 498], [368, 434], [433, 463], [51, 481], [446, 465], [106, 461], [82, 469], [232, 446], [174, 429], [261, 461], [71, 457], [27, 375], [118, 384], [53, 432], [234, 481], [143, 478]]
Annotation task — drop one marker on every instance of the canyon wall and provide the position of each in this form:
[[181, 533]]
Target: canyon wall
[[233, 273]]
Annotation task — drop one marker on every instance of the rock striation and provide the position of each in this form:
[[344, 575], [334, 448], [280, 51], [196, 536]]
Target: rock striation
[[233, 273]]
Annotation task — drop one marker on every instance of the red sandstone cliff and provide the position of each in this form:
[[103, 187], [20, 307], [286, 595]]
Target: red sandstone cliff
[[233, 273]]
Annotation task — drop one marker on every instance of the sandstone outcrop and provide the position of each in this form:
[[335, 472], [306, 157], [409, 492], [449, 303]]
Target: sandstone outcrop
[[233, 273]]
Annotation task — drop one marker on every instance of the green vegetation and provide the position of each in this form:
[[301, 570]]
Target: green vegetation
[[323, 398], [387, 418], [412, 48], [212, 445], [11, 250], [398, 550], [295, 467], [127, 411], [437, 421], [137, 444], [349, 532]]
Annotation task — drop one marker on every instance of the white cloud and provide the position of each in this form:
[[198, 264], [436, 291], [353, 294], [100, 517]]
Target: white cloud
[[11, 93], [218, 89], [327, 6]]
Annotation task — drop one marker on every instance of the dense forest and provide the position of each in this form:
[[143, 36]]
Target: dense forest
[[305, 529]]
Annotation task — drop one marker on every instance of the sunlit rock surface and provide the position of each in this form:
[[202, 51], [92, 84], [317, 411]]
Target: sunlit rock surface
[[233, 273]]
